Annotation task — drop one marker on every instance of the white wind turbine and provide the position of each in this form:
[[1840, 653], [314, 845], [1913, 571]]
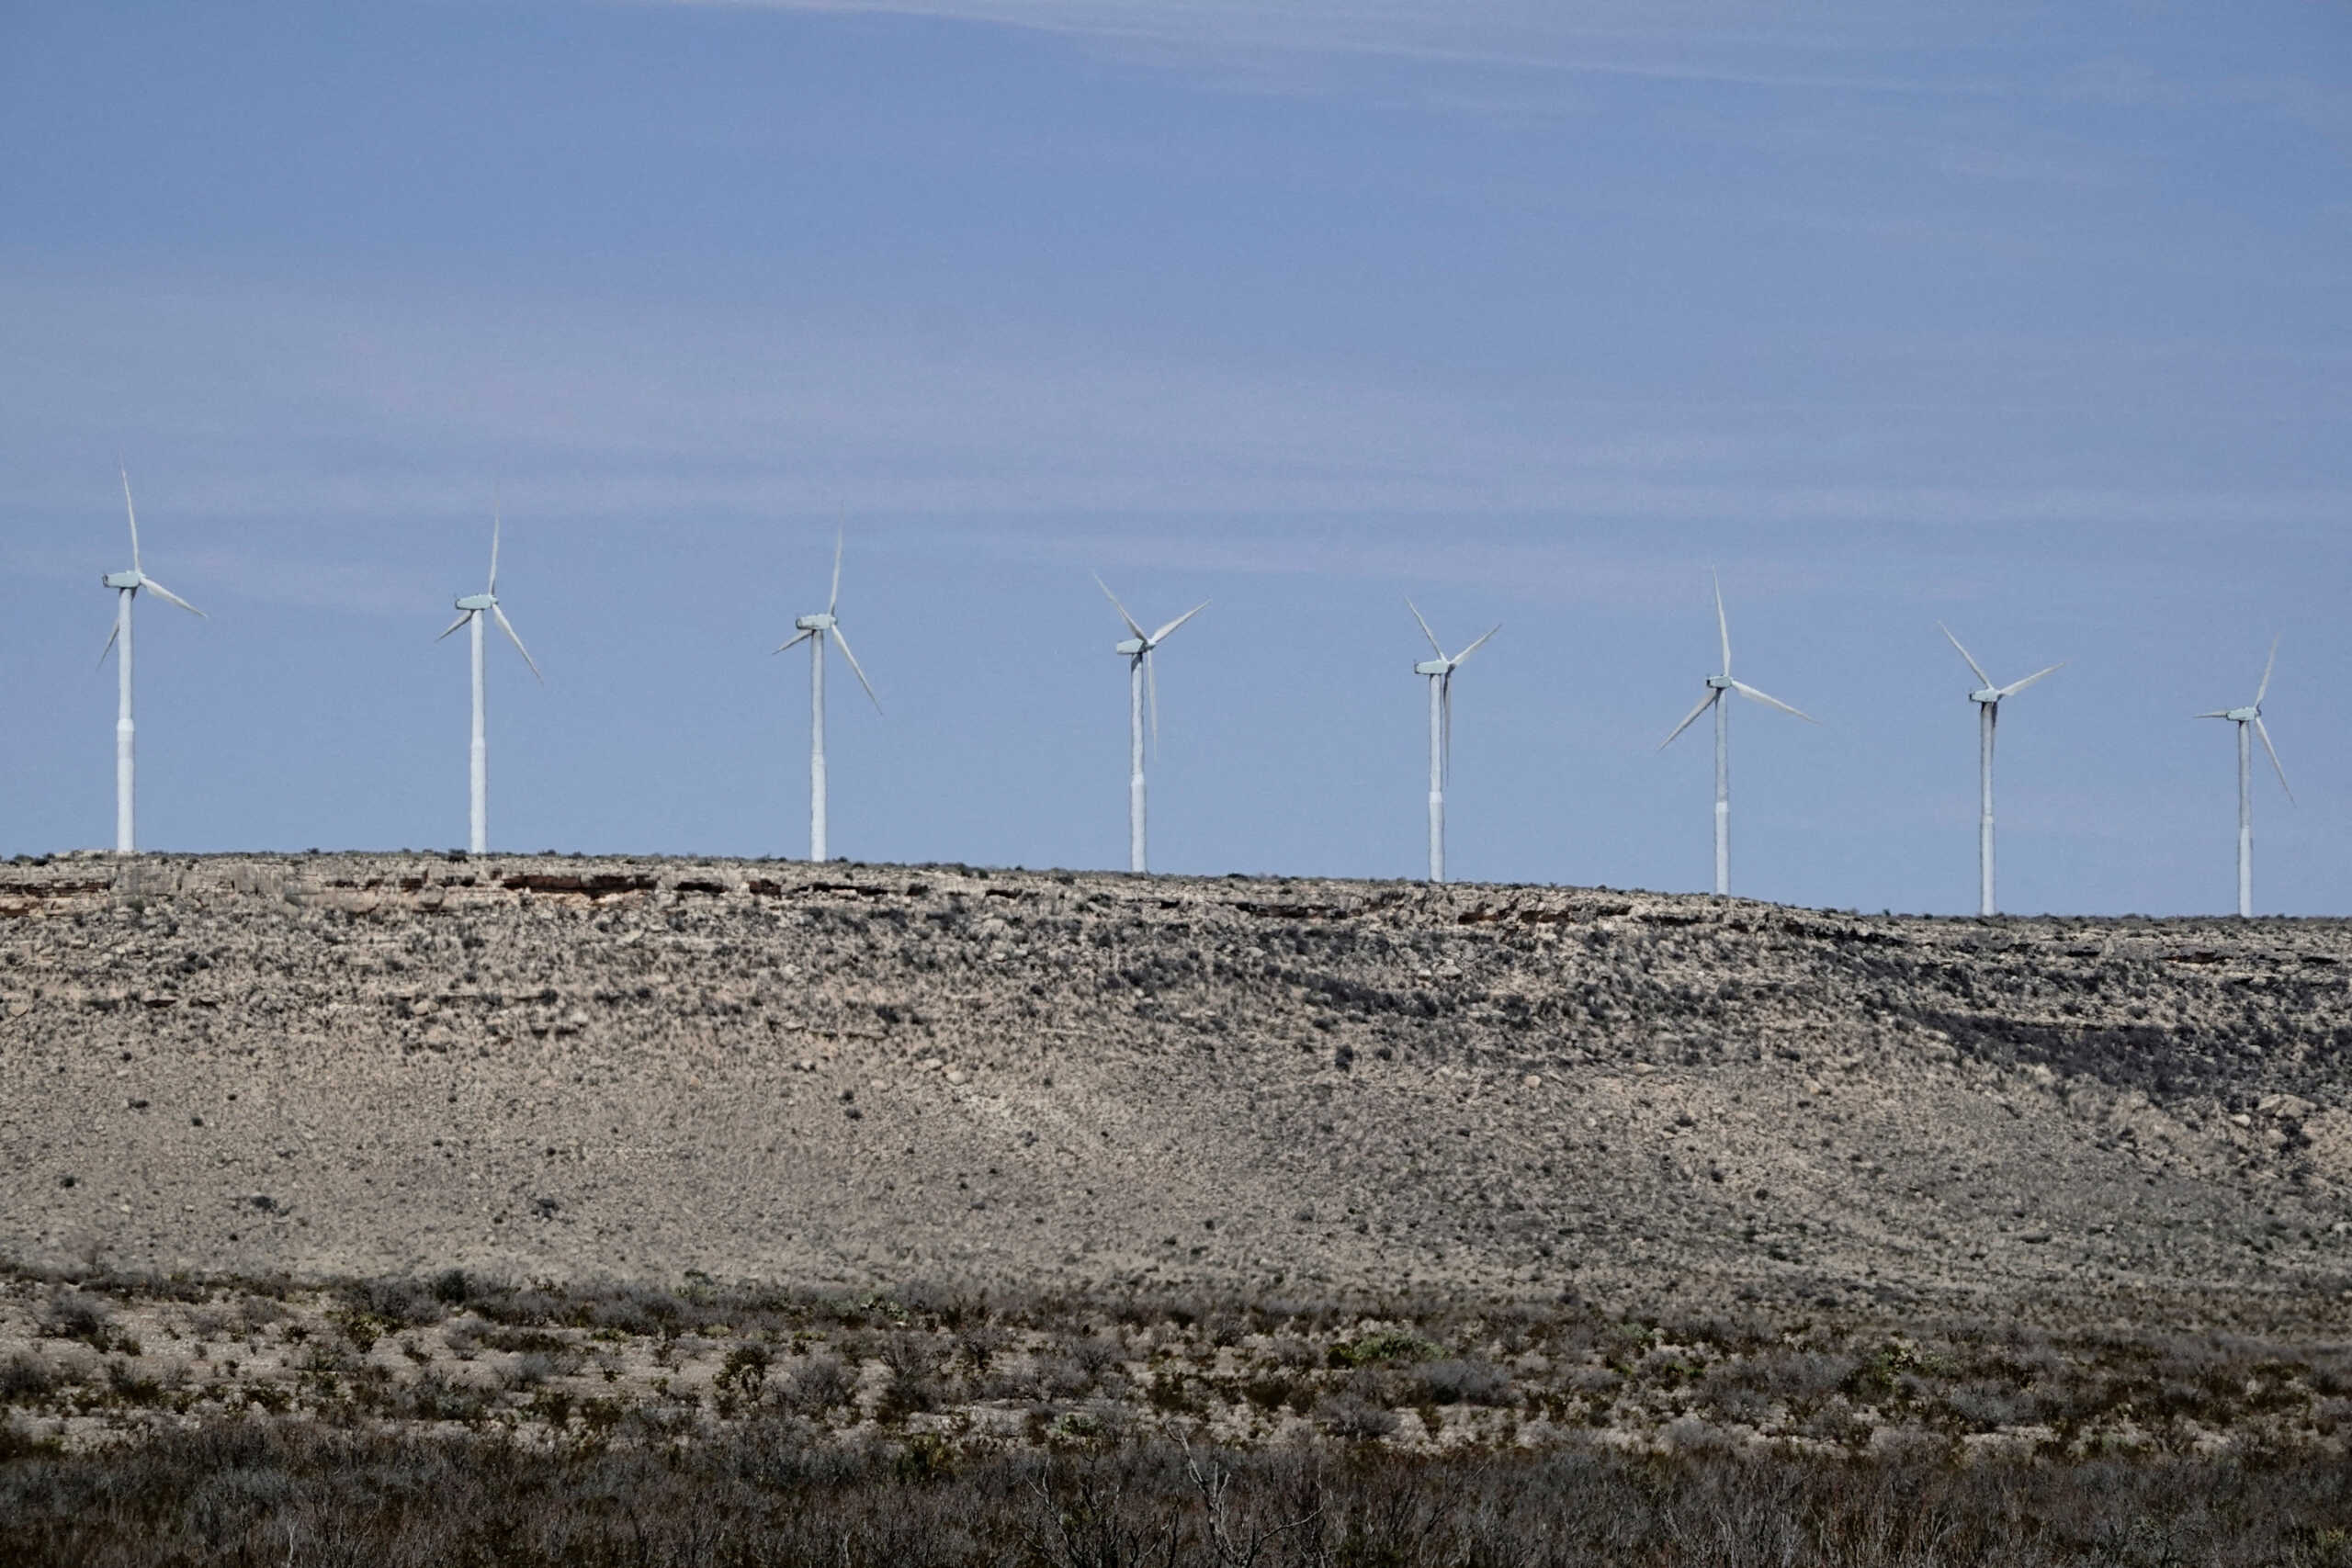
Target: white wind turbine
[[1987, 699], [1143, 686], [127, 585], [1717, 686], [2249, 717], [813, 630], [470, 610], [1440, 673]]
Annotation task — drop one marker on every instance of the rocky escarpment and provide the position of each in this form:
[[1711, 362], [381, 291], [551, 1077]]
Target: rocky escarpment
[[634, 1068]]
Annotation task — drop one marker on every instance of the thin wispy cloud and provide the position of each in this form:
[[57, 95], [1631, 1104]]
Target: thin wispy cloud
[[601, 415]]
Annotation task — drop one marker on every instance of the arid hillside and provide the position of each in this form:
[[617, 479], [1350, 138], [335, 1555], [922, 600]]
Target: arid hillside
[[633, 1068]]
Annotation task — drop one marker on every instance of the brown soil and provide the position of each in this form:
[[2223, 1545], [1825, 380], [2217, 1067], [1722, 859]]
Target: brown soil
[[355, 1065]]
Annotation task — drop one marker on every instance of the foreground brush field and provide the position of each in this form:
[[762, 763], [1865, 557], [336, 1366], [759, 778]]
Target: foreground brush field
[[524, 1209], [458, 1419]]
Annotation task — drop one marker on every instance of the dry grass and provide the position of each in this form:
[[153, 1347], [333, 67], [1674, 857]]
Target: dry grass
[[773, 1493]]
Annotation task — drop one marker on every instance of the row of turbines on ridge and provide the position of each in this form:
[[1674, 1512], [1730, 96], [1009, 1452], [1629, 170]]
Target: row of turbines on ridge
[[1142, 714]]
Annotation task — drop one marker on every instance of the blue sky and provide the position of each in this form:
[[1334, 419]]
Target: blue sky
[[2032, 319]]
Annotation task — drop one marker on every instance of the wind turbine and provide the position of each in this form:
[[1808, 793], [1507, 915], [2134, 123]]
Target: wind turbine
[[127, 585], [1141, 683], [470, 610], [812, 629], [1440, 673], [1987, 699], [2249, 717], [1717, 686]]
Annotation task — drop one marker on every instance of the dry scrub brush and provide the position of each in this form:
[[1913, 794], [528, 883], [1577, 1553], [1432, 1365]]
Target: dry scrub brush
[[256, 1492]]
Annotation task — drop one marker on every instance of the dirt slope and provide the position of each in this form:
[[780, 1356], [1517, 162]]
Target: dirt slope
[[635, 1068]]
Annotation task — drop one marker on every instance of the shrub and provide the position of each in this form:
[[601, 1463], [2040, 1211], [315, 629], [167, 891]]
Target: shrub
[[819, 1383], [74, 1314], [908, 1393], [1354, 1418], [981, 1343], [402, 1304], [1463, 1383], [531, 1369], [745, 1372], [1383, 1345], [25, 1379]]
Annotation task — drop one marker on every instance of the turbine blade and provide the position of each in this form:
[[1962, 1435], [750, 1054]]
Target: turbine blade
[[1753, 696], [1151, 694], [797, 640], [1161, 635], [2013, 687], [460, 620], [2217, 713], [162, 592], [508, 627], [1121, 608], [112, 633], [1981, 678], [2263, 689], [861, 672], [1444, 730], [1713, 694], [495, 523], [1458, 660], [1425, 629], [840, 537], [2265, 735], [133, 511], [1723, 622]]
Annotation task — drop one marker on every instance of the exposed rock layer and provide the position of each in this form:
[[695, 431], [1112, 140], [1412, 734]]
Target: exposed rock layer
[[633, 1067]]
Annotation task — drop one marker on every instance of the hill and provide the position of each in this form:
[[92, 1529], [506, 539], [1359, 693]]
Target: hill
[[580, 1069]]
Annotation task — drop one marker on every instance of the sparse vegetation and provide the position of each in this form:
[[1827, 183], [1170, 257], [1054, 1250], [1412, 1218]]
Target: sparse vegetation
[[1430, 1375], [773, 1492]]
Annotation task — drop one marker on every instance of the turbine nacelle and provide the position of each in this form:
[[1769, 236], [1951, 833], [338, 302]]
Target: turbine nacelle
[[2243, 715], [1134, 648], [133, 580], [1434, 667], [1988, 695], [485, 603], [824, 622], [1721, 683]]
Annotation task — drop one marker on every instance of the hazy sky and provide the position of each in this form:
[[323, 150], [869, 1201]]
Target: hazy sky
[[2030, 318]]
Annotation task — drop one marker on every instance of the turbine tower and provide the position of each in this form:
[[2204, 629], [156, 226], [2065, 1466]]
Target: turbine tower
[[1717, 686], [1988, 698], [2248, 719], [1143, 686], [126, 585], [1440, 671], [813, 630], [470, 610]]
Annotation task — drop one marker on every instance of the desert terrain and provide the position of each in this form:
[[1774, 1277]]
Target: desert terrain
[[420, 1209], [603, 1068]]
